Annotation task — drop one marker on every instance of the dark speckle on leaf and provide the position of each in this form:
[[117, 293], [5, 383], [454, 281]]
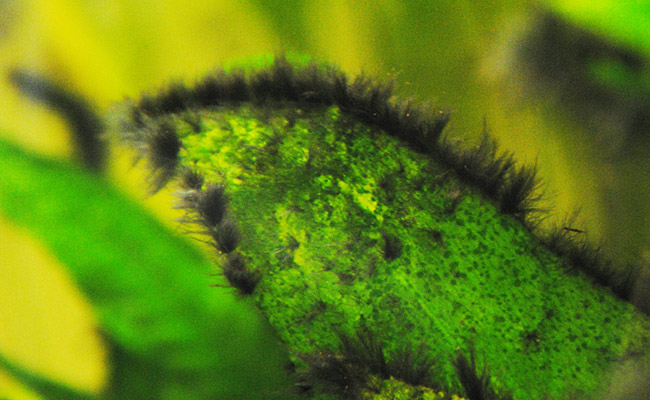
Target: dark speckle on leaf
[[392, 247]]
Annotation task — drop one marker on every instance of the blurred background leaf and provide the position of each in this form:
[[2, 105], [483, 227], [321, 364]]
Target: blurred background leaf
[[169, 333], [462, 55]]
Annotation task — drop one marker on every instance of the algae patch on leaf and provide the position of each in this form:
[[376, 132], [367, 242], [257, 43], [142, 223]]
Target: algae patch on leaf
[[357, 218]]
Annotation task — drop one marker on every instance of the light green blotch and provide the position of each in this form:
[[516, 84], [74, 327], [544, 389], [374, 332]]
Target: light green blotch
[[365, 199], [393, 389]]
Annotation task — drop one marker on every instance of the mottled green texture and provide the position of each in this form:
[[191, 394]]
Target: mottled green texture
[[316, 195], [393, 389], [170, 334]]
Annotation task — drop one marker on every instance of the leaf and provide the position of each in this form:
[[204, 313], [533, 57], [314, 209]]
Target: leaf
[[170, 333]]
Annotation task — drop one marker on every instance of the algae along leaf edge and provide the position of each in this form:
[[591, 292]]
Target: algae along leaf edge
[[374, 244]]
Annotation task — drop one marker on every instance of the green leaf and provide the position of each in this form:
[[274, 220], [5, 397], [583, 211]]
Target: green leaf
[[359, 218], [171, 334]]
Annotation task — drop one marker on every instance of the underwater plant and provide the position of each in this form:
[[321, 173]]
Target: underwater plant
[[389, 261]]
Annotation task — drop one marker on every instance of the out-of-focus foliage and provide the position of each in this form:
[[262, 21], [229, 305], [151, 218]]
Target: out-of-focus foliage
[[624, 22], [169, 333]]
